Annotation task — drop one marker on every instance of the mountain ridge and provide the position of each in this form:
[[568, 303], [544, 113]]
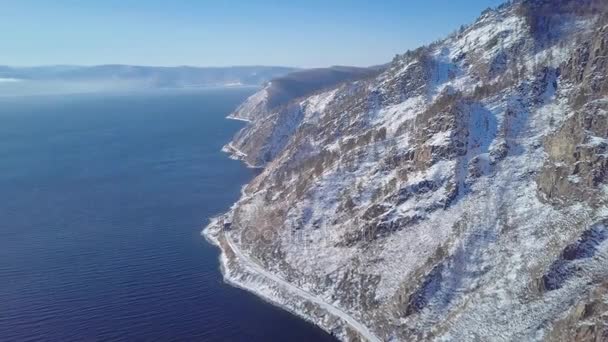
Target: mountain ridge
[[459, 194]]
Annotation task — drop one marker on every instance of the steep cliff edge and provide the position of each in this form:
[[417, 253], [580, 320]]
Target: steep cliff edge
[[460, 194], [275, 112]]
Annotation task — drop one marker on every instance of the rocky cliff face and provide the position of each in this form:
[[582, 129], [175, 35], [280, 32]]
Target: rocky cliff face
[[460, 194], [276, 111]]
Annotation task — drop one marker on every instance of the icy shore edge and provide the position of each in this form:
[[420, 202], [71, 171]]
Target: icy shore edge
[[238, 274], [233, 152]]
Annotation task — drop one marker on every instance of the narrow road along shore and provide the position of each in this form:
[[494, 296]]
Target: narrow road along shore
[[252, 265]]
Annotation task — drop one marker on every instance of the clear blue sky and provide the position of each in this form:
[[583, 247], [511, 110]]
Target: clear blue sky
[[306, 33]]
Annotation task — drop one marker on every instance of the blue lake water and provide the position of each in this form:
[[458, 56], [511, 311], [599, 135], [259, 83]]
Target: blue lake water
[[103, 198]]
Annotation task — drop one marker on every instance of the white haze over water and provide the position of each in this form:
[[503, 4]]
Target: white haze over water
[[17, 87]]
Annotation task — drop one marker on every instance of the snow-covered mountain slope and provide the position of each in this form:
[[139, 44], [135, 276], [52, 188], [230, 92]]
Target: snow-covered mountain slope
[[458, 195], [281, 90], [276, 110]]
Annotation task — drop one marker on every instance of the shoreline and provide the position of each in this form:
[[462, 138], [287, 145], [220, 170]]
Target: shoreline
[[239, 271], [236, 154], [239, 274], [233, 152], [236, 118], [233, 281]]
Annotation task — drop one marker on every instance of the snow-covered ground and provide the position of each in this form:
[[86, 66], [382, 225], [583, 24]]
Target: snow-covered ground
[[255, 267], [415, 205]]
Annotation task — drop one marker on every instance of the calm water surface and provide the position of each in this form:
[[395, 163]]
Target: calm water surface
[[103, 200]]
